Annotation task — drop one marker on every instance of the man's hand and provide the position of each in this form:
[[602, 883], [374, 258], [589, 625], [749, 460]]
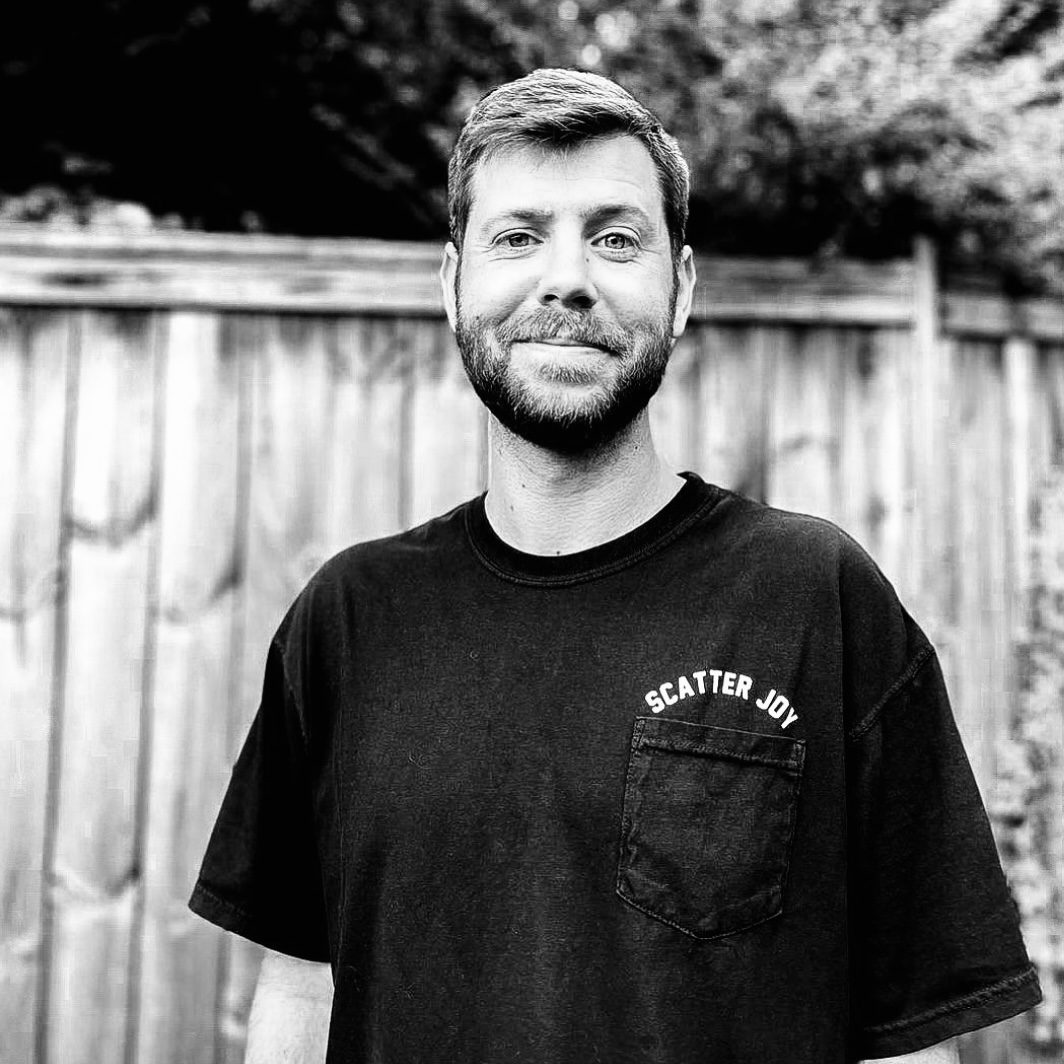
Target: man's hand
[[943, 1053], [289, 1022]]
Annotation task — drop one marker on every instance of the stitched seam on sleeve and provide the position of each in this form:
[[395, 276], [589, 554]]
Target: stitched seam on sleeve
[[915, 667], [292, 694], [978, 997], [224, 903]]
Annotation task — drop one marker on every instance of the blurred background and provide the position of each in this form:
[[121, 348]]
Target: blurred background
[[223, 357]]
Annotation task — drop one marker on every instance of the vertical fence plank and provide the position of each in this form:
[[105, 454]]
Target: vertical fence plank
[[447, 426], [872, 452], [365, 498], [1048, 414], [1021, 359], [933, 486], [804, 424], [675, 411], [34, 366], [983, 630], [96, 878], [291, 422], [199, 578], [735, 370]]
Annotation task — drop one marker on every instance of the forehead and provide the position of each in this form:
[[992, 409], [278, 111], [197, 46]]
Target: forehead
[[616, 170]]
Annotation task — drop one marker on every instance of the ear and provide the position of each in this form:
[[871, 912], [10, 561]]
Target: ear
[[685, 294], [448, 283]]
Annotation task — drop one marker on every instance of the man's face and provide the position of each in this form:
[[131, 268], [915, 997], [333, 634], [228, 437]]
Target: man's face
[[566, 301]]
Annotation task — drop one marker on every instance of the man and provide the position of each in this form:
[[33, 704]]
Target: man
[[608, 764]]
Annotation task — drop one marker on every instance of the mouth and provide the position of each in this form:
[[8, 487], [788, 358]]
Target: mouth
[[566, 345]]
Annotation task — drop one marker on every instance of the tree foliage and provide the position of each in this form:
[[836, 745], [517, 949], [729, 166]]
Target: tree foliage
[[817, 126], [813, 126]]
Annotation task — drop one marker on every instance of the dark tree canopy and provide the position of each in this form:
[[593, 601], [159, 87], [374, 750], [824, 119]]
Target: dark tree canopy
[[813, 126]]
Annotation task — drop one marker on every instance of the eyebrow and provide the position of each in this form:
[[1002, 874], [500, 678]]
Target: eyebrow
[[600, 213]]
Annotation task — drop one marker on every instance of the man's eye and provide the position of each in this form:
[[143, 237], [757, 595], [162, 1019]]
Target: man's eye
[[516, 240], [617, 242]]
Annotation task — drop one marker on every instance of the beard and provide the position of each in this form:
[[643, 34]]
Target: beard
[[565, 425]]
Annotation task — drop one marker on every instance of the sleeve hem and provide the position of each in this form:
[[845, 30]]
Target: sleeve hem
[[914, 667], [206, 903], [1001, 1001]]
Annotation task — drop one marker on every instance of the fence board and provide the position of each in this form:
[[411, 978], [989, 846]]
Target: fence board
[[734, 367], [986, 315], [871, 452], [929, 396], [797, 291], [211, 271], [447, 461], [1020, 357], [365, 498], [292, 375], [803, 445], [199, 575], [674, 412], [125, 268], [982, 620], [96, 878], [34, 362], [216, 272], [1049, 408]]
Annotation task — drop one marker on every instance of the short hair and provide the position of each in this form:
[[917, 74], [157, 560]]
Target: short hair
[[556, 108]]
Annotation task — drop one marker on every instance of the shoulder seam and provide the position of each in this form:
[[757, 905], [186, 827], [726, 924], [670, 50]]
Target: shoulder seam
[[921, 659]]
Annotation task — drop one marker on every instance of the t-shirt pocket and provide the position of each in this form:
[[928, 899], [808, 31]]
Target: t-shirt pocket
[[708, 823]]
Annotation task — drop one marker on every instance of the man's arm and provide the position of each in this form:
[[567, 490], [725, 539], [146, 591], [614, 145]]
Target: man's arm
[[944, 1053], [289, 1022]]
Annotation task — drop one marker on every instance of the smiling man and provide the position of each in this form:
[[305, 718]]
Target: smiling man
[[567, 371], [608, 764]]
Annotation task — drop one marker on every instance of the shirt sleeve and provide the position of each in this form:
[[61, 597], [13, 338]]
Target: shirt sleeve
[[261, 875], [936, 948]]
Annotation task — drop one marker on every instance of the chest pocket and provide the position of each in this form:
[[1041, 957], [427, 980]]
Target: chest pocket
[[708, 823]]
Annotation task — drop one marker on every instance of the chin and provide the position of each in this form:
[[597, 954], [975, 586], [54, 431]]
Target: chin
[[583, 429]]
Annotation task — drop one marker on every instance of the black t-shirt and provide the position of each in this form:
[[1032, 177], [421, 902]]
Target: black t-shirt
[[695, 794]]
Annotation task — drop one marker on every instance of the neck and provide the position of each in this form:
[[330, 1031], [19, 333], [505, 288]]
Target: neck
[[545, 503]]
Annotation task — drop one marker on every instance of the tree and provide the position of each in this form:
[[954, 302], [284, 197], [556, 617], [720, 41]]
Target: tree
[[813, 126], [295, 116], [820, 126]]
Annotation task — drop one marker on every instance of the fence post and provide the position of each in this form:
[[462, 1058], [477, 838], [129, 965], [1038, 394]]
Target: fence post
[[930, 460]]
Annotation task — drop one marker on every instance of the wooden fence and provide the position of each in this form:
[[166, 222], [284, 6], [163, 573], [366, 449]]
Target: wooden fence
[[190, 424]]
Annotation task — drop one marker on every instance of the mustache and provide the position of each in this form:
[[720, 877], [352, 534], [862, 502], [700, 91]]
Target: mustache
[[539, 325]]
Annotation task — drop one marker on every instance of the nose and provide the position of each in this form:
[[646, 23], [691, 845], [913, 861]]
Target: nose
[[566, 278]]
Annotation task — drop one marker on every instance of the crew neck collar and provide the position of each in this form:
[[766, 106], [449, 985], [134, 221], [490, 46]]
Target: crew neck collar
[[686, 506]]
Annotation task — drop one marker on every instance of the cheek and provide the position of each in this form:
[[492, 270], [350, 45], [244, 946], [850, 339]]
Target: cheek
[[636, 295], [643, 310], [491, 292]]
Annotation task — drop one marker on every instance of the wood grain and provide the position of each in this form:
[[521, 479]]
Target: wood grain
[[34, 366], [675, 411], [291, 361], [840, 292], [445, 461], [990, 316], [734, 387], [200, 578], [980, 684], [802, 471], [1021, 366], [872, 453], [364, 451], [96, 879]]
